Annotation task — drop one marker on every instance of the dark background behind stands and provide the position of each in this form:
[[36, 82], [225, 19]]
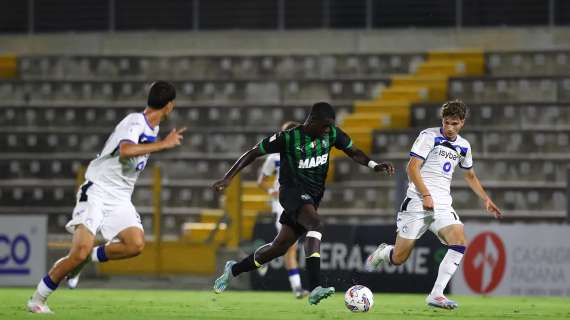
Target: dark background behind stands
[[37, 16]]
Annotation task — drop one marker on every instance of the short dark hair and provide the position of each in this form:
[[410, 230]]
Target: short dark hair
[[322, 111], [289, 125], [455, 108], [160, 94]]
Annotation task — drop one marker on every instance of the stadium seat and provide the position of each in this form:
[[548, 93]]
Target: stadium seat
[[518, 126], [494, 141], [216, 67], [508, 89], [528, 63]]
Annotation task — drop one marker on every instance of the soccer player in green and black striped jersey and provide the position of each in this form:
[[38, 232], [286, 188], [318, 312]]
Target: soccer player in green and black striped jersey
[[304, 151]]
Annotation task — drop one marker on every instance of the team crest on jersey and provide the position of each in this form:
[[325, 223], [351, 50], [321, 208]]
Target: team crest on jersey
[[313, 162], [311, 145], [143, 138]]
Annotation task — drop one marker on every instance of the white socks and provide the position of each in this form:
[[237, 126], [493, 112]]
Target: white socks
[[98, 254], [44, 289], [294, 278], [46, 286], [447, 268]]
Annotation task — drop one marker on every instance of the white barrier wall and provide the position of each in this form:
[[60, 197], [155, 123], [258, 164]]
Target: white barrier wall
[[520, 259], [23, 246], [288, 42]]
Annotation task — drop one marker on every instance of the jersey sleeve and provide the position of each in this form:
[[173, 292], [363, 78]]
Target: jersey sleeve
[[467, 161], [423, 145], [342, 141], [130, 129], [268, 167], [272, 144]]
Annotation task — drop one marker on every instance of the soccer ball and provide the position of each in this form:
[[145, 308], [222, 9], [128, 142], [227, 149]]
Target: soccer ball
[[358, 299]]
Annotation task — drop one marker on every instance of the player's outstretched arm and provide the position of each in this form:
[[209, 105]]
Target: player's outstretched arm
[[128, 149], [360, 157], [476, 186], [243, 161]]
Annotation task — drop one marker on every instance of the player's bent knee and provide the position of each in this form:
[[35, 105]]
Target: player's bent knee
[[136, 248], [314, 225], [79, 253], [456, 240]]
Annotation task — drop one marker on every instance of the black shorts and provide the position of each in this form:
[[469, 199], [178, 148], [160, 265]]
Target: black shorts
[[292, 199]]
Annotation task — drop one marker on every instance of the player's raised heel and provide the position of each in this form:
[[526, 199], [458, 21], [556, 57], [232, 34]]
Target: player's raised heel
[[38, 307], [73, 282], [222, 282], [375, 260], [441, 302], [320, 293]]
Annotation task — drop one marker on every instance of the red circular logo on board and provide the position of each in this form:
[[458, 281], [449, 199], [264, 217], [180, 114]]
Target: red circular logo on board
[[484, 263]]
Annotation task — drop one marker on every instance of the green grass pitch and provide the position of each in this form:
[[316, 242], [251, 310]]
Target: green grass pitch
[[164, 304]]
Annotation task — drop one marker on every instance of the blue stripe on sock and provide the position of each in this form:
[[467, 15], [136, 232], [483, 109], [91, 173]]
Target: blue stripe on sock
[[293, 272], [49, 283], [101, 256], [460, 249]]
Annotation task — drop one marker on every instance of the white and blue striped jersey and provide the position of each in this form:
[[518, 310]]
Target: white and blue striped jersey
[[271, 167], [118, 176], [440, 156]]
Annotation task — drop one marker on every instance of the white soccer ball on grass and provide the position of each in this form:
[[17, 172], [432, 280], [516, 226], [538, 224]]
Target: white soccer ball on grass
[[358, 298]]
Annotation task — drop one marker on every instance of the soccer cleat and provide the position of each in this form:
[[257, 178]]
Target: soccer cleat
[[320, 293], [300, 293], [73, 282], [73, 277], [441, 302], [38, 307], [222, 282], [375, 260]]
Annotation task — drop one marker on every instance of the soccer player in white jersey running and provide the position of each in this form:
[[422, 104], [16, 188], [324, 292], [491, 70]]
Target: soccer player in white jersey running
[[434, 156], [104, 200], [270, 168]]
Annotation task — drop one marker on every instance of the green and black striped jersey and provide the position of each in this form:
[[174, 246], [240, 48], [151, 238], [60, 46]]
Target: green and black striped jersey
[[304, 161]]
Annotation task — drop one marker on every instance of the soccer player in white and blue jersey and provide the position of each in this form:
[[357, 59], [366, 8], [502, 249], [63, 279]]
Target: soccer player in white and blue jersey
[[104, 201], [269, 169], [428, 203]]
